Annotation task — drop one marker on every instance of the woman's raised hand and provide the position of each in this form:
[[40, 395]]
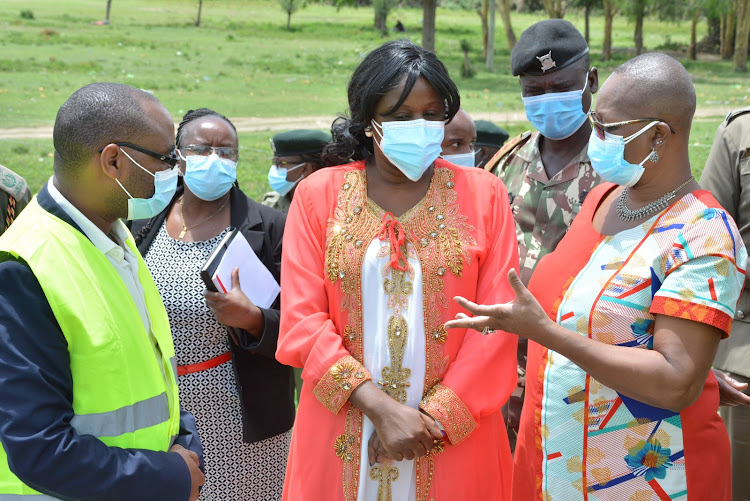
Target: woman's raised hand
[[523, 316]]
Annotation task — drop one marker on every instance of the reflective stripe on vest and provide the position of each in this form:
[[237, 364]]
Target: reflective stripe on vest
[[128, 419], [27, 497]]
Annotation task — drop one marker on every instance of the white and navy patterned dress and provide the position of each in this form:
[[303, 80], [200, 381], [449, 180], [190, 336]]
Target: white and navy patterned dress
[[235, 470]]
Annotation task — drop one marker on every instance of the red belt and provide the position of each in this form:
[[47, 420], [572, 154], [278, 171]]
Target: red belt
[[202, 366]]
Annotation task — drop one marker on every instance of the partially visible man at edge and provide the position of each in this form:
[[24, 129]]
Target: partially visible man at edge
[[14, 196], [90, 407], [726, 176], [548, 173]]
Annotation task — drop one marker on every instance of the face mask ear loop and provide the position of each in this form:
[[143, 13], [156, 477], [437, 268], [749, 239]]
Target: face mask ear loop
[[633, 136], [296, 167], [123, 188], [375, 129], [591, 103], [139, 165]]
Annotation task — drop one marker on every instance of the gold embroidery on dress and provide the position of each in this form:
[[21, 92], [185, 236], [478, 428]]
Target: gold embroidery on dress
[[396, 377], [440, 237], [384, 474]]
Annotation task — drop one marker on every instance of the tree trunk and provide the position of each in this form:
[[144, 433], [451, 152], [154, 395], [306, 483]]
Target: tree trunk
[[428, 25], [587, 14], [200, 9], [109, 6], [490, 59], [741, 39], [484, 13], [555, 8], [380, 19], [638, 35], [693, 51], [726, 36], [610, 9], [467, 67], [289, 21], [510, 36]]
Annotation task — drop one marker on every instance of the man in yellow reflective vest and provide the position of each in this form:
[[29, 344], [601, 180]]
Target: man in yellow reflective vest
[[89, 407]]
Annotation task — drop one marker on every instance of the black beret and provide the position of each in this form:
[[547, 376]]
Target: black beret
[[547, 46], [299, 142], [489, 134]]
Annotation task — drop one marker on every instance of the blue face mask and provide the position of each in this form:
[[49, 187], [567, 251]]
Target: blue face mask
[[608, 158], [277, 179], [557, 115], [465, 159], [211, 177], [165, 184], [411, 145]]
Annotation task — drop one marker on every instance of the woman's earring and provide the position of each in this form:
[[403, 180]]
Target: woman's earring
[[654, 157], [368, 131]]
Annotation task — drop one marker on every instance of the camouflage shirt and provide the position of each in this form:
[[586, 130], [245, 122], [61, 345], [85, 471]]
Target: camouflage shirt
[[543, 208], [276, 201], [14, 196]]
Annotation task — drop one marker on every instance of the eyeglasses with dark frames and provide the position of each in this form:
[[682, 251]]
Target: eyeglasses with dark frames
[[600, 128], [205, 150], [171, 159]]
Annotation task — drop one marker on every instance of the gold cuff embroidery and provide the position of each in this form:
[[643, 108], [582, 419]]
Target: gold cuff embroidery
[[445, 407], [339, 382]]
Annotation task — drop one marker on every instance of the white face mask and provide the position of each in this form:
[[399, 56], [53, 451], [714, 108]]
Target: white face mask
[[464, 159], [165, 185], [607, 157], [411, 145]]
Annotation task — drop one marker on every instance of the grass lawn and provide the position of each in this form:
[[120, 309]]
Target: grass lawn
[[243, 62]]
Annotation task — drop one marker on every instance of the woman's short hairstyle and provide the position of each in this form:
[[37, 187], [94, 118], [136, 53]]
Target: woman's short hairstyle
[[380, 72]]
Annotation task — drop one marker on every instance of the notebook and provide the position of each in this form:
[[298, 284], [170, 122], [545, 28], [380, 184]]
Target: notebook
[[256, 281]]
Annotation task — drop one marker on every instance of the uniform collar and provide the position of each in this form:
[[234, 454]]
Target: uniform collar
[[530, 153]]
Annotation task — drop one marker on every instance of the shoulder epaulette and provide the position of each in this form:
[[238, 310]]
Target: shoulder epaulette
[[12, 183], [507, 149], [735, 113]]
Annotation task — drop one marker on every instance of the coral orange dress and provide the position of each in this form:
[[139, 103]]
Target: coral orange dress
[[365, 296], [581, 440]]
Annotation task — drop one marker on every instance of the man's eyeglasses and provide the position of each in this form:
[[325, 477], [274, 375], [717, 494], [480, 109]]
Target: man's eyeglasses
[[600, 128], [205, 150], [171, 159]]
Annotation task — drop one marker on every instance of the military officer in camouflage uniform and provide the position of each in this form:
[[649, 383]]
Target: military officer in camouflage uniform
[[727, 176], [547, 172], [296, 155], [14, 195]]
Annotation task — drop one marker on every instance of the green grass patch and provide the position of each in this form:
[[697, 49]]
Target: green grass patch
[[242, 61]]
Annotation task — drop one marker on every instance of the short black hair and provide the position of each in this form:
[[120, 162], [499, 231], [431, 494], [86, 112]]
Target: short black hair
[[380, 72], [196, 114], [94, 116]]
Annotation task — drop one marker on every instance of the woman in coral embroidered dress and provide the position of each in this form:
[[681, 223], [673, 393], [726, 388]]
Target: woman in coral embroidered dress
[[620, 402], [393, 407]]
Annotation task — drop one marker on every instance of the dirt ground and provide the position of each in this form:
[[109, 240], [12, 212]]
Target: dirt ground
[[257, 124]]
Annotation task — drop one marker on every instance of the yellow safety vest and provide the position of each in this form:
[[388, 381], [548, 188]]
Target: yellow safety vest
[[123, 393]]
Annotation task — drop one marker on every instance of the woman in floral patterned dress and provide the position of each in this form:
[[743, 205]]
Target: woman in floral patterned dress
[[620, 402]]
